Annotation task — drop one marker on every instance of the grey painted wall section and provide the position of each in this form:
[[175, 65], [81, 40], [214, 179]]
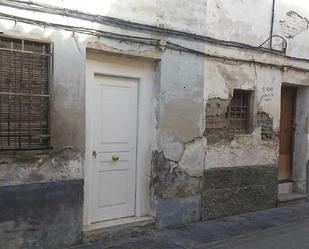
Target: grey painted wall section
[[68, 92], [178, 211], [244, 149], [301, 144], [41, 215], [181, 101]]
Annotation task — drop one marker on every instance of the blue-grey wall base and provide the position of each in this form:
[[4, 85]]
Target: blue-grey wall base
[[41, 215]]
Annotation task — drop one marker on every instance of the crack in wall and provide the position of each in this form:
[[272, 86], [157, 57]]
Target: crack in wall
[[168, 181]]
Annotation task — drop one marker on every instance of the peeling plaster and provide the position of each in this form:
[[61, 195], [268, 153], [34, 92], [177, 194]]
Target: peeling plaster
[[237, 78], [193, 158], [169, 181], [173, 151], [243, 150], [31, 167], [294, 24]]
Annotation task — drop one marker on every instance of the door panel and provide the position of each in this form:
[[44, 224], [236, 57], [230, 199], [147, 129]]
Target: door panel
[[115, 135], [288, 104]]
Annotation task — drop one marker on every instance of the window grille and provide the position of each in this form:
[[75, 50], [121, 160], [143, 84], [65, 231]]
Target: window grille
[[24, 94], [239, 112]]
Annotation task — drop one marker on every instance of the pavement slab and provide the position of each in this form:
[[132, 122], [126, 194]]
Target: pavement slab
[[282, 228]]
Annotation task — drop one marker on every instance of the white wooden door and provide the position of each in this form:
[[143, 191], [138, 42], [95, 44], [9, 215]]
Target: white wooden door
[[114, 136]]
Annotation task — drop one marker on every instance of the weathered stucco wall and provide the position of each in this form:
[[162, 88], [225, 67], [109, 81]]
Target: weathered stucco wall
[[181, 101], [291, 22], [67, 114], [184, 91], [301, 143], [68, 91], [239, 20], [191, 89], [242, 149], [29, 167], [168, 14], [246, 21], [179, 162]]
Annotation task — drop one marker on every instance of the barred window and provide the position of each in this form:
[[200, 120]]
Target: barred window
[[24, 94], [239, 112]]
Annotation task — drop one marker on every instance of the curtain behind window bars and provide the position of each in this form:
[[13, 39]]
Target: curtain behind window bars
[[24, 94]]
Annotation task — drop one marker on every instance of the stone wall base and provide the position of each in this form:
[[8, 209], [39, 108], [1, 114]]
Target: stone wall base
[[236, 190]]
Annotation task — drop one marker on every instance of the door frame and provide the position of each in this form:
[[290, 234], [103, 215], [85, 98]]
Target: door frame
[[292, 144], [124, 67]]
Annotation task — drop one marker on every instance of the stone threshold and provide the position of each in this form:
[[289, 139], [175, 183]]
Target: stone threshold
[[117, 228], [285, 187], [291, 198]]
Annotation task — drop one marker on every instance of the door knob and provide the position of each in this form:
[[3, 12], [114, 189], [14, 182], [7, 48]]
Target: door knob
[[115, 158], [94, 154]]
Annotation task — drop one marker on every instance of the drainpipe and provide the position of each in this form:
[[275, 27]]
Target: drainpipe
[[272, 24]]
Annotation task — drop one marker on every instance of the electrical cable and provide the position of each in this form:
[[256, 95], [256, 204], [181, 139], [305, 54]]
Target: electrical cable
[[120, 23], [150, 41], [285, 42], [177, 47], [94, 32]]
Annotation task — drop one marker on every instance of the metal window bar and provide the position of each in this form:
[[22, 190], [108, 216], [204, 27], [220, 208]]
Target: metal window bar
[[24, 94], [239, 112]]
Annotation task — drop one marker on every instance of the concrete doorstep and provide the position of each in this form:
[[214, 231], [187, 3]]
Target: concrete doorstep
[[230, 232]]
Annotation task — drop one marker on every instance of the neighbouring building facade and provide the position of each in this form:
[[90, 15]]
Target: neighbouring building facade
[[119, 116]]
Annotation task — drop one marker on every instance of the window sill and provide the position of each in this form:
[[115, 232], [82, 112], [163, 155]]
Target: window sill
[[27, 149], [25, 153]]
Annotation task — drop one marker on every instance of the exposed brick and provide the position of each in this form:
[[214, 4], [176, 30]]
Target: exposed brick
[[266, 123]]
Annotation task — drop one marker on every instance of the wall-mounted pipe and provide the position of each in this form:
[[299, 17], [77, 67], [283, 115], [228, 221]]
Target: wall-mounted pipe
[[272, 24]]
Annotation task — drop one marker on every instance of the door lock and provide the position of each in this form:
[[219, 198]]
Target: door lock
[[94, 154]]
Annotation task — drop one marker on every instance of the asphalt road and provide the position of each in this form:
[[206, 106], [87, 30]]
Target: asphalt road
[[291, 236]]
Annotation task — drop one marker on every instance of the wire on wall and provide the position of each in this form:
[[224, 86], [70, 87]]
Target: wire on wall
[[284, 42], [152, 41], [272, 23], [120, 23]]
